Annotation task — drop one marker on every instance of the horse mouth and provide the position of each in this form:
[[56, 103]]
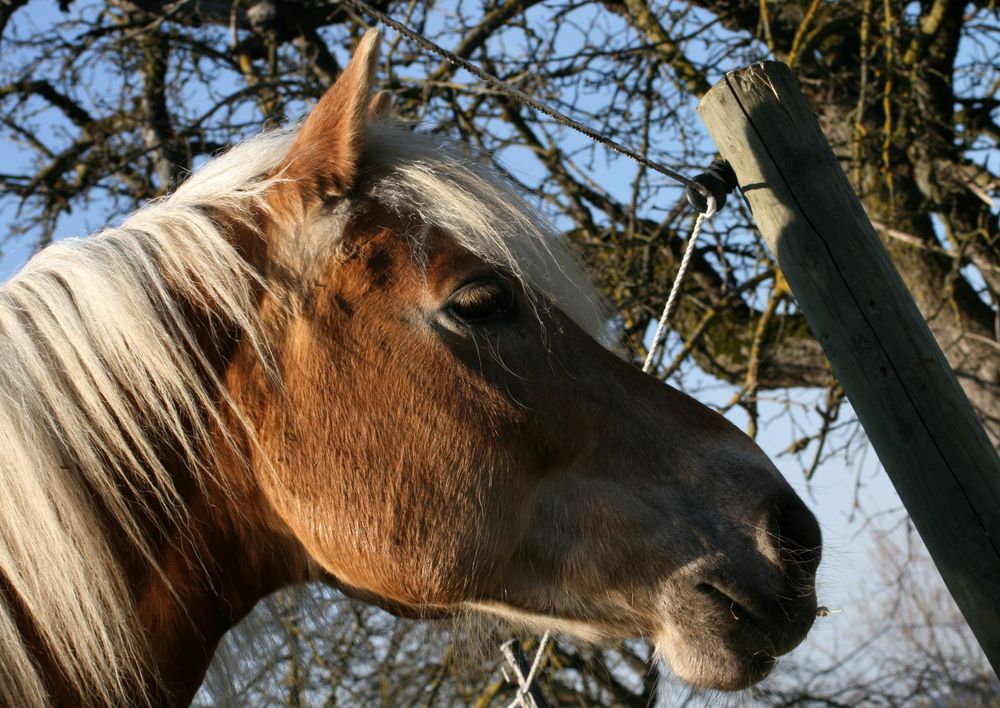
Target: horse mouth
[[718, 639]]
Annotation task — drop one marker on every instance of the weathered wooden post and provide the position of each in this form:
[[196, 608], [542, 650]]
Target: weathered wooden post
[[907, 397]]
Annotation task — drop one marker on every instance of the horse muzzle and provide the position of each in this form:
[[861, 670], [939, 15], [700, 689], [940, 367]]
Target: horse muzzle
[[730, 618]]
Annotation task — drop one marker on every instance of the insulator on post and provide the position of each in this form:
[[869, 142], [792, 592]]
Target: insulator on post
[[719, 179]]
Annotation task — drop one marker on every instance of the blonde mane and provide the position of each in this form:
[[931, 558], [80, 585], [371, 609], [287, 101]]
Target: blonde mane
[[100, 368]]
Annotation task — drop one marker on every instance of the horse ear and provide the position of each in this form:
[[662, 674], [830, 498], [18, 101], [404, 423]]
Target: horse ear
[[380, 106], [323, 160]]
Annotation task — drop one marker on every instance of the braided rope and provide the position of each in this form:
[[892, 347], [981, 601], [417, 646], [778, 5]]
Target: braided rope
[[523, 697], [675, 289]]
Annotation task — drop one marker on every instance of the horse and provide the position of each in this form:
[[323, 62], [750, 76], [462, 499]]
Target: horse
[[350, 353]]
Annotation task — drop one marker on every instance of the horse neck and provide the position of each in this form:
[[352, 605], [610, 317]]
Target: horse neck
[[215, 569], [228, 552]]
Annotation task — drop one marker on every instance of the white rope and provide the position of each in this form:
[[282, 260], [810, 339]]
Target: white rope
[[536, 663], [675, 289], [523, 698]]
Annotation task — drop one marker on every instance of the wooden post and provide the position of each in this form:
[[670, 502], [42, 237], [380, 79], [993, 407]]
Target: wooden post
[[915, 413]]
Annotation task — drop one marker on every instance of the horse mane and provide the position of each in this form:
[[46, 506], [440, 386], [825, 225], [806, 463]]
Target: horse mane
[[100, 368]]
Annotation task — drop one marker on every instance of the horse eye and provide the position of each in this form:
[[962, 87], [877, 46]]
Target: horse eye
[[481, 301]]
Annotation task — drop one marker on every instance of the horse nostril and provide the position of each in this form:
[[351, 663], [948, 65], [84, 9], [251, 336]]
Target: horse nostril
[[796, 535]]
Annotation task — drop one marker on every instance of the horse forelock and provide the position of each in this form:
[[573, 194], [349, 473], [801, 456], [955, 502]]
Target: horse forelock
[[463, 197], [441, 186], [100, 363]]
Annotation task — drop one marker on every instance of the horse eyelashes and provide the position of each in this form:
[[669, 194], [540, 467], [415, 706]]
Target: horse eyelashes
[[483, 300]]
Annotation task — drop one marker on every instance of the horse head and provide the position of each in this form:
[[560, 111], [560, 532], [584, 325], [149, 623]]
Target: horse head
[[450, 433]]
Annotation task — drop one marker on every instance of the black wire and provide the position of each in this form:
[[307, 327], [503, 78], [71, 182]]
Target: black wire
[[524, 98]]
